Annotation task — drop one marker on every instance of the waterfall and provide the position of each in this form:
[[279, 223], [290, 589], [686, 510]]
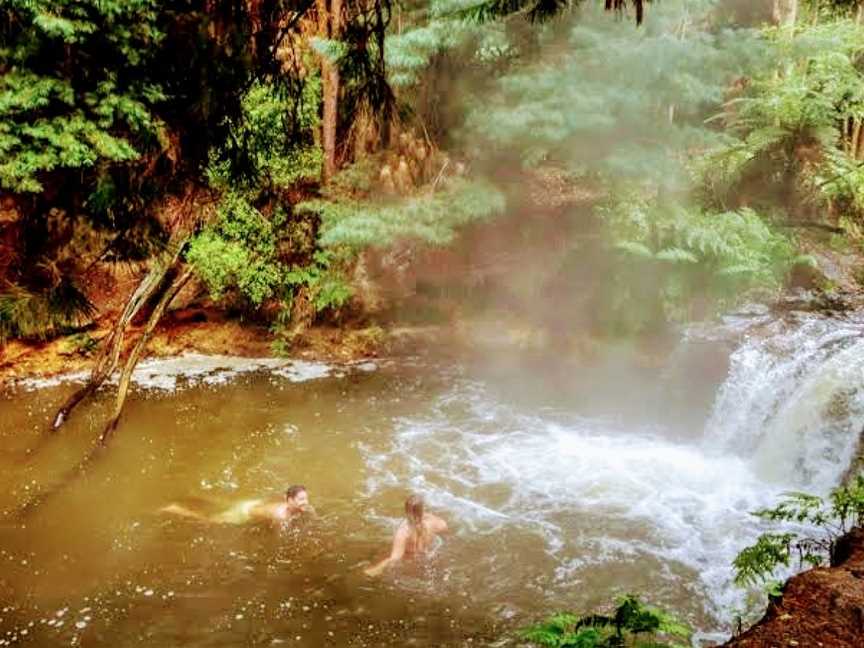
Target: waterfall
[[793, 403]]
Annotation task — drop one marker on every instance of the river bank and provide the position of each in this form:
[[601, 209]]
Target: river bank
[[818, 607], [196, 330]]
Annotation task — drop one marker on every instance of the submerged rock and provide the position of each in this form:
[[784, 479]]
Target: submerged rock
[[820, 607]]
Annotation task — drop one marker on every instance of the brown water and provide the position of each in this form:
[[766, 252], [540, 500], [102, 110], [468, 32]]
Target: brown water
[[562, 488]]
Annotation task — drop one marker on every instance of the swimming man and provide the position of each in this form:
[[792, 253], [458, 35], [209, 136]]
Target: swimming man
[[295, 504], [414, 536]]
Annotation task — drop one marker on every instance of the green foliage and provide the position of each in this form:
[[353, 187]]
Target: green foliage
[[80, 344], [631, 624], [736, 246], [673, 253], [410, 52], [436, 60], [245, 252], [828, 9], [321, 282], [590, 108], [431, 217], [332, 50], [784, 132], [109, 106], [242, 252], [830, 520], [322, 279], [755, 563], [638, 130], [275, 132], [482, 11], [774, 589], [239, 250], [50, 119]]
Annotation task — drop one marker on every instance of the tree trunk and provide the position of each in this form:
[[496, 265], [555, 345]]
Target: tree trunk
[[329, 26], [858, 151], [785, 13], [180, 215], [856, 138], [165, 300]]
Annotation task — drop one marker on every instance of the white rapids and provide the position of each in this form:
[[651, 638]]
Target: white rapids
[[598, 492]]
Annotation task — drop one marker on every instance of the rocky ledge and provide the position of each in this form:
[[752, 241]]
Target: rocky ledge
[[821, 607]]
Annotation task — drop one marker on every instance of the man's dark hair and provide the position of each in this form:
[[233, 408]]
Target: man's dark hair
[[294, 491]]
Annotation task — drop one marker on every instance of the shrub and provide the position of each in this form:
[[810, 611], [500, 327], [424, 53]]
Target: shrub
[[631, 624], [830, 520]]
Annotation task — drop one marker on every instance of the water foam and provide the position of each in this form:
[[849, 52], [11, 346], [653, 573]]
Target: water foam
[[165, 374], [597, 492], [643, 495]]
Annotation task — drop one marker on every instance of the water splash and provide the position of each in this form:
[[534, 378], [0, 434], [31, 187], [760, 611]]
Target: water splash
[[794, 402], [597, 493]]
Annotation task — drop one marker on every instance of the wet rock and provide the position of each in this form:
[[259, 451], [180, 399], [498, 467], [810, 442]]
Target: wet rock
[[810, 301], [753, 309], [836, 266], [820, 607]]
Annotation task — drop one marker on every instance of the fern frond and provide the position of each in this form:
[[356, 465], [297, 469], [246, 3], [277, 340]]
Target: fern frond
[[27, 314]]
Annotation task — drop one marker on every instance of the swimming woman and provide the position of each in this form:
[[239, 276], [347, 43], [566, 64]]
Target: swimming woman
[[414, 536], [295, 504]]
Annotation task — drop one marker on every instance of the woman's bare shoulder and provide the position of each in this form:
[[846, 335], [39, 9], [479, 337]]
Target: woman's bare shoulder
[[437, 524]]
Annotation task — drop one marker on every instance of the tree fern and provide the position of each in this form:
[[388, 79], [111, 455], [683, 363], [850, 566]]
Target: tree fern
[[27, 314], [681, 251], [787, 128], [431, 217], [588, 107]]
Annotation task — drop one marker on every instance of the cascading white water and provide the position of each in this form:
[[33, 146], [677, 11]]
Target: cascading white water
[[598, 493], [794, 402]]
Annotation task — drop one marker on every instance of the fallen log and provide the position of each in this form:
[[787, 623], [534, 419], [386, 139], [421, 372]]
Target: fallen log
[[158, 311], [181, 216]]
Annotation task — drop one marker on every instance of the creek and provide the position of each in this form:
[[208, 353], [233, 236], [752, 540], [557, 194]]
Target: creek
[[564, 483]]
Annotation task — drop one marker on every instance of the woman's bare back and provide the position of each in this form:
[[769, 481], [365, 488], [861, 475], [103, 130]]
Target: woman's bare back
[[417, 543], [411, 538]]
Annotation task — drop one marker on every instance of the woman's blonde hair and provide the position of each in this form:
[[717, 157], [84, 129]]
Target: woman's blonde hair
[[414, 510]]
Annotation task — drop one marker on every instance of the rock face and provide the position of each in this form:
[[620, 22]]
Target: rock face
[[820, 607]]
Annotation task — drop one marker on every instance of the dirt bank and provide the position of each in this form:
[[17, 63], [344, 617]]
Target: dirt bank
[[207, 331], [820, 607]]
